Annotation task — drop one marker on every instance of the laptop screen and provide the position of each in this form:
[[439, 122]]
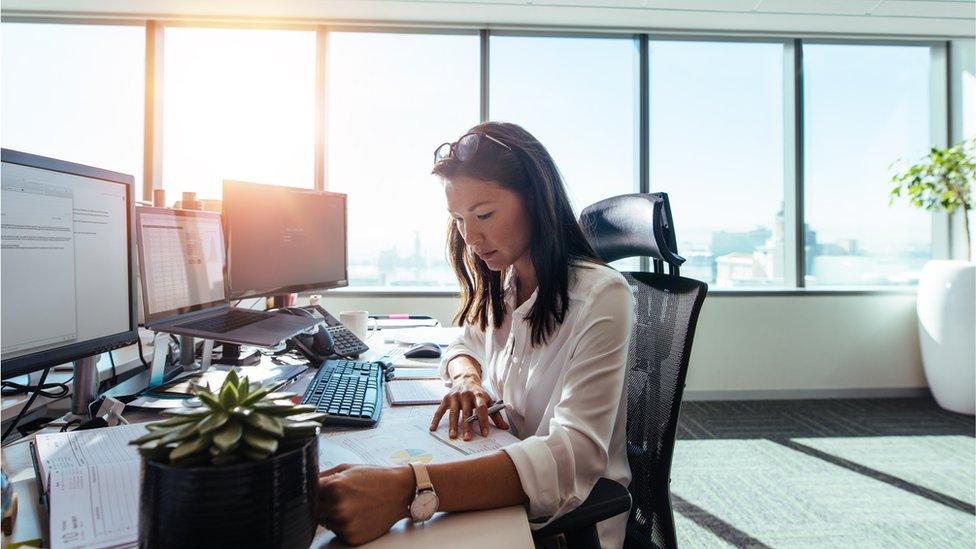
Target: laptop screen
[[181, 261]]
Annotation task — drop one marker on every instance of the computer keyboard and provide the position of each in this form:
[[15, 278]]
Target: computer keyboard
[[349, 391], [232, 319]]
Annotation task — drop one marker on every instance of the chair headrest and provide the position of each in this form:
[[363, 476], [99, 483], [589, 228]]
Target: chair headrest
[[632, 225]]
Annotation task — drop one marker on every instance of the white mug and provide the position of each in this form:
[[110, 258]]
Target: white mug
[[356, 321]]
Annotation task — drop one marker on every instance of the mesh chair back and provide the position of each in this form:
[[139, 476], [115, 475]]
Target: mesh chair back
[[666, 313]]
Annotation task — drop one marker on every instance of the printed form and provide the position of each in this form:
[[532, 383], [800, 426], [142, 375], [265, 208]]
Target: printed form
[[92, 482]]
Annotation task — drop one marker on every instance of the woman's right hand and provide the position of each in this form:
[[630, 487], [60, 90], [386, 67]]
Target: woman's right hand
[[466, 398]]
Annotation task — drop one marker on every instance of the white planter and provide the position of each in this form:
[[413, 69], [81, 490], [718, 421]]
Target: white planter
[[947, 332]]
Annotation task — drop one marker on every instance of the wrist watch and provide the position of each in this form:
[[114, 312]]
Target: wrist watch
[[425, 502]]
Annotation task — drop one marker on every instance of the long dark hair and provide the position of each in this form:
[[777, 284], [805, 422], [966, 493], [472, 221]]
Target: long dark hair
[[557, 240]]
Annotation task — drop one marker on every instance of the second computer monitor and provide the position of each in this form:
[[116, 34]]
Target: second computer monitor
[[283, 239]]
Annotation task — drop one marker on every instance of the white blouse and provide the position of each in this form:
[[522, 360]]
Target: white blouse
[[566, 399]]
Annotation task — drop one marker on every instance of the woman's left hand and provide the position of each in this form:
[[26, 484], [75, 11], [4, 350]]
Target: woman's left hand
[[361, 502]]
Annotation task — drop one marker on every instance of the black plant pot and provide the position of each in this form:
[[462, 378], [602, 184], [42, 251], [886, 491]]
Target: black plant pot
[[268, 503]]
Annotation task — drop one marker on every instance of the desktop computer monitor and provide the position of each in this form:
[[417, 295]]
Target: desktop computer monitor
[[283, 239], [68, 281]]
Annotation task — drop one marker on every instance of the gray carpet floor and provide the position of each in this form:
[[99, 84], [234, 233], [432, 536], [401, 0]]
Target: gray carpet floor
[[824, 473]]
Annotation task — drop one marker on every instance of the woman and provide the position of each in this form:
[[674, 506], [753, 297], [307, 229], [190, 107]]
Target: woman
[[546, 326]]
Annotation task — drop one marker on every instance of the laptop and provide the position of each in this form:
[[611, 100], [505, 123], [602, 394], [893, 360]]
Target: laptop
[[182, 265]]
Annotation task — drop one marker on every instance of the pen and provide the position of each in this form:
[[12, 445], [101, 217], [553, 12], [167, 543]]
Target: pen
[[401, 317], [496, 407]]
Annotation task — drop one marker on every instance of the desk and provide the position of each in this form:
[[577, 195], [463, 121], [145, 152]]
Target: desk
[[506, 528]]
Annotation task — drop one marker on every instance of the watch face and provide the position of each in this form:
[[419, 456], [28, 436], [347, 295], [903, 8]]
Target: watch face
[[424, 505]]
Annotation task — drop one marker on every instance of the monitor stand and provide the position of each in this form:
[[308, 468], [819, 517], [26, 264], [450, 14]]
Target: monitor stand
[[84, 386], [188, 354], [84, 390], [281, 301], [231, 354]]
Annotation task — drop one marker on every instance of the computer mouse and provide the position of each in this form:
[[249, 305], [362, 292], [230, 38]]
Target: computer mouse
[[423, 350]]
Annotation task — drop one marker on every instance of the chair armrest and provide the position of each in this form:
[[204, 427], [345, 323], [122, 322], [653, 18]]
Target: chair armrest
[[607, 499]]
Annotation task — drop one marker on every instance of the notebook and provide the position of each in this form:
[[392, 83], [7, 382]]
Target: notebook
[[412, 392]]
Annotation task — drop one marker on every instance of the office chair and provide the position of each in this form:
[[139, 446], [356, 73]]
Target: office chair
[[667, 307]]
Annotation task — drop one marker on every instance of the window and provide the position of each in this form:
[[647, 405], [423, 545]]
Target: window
[[392, 99], [578, 96], [238, 104], [716, 148], [865, 106], [76, 93]]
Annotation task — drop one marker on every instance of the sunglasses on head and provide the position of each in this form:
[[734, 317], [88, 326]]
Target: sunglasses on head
[[464, 148]]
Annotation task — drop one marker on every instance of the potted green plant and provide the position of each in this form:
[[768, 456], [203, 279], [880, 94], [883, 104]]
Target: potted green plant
[[242, 469], [942, 181]]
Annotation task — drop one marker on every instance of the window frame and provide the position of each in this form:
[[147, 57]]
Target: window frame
[[793, 184]]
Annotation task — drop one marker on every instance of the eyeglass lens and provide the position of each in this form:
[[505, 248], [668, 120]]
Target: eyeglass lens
[[467, 146], [442, 152]]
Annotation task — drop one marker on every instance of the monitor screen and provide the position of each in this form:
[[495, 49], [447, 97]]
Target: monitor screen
[[181, 255], [283, 239], [67, 262]]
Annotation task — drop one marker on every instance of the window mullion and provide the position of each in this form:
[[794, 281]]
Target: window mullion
[[794, 242], [321, 43], [644, 126], [484, 73], [152, 165]]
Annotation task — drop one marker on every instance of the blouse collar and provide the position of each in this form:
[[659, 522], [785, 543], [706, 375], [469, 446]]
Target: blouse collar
[[511, 295]]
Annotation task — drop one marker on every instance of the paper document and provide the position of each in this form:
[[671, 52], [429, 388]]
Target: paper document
[[416, 391], [412, 443], [92, 481]]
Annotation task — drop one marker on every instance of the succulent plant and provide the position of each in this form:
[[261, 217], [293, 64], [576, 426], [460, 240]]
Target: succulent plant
[[241, 422]]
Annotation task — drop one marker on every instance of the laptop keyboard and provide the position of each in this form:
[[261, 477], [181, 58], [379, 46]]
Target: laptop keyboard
[[231, 320]]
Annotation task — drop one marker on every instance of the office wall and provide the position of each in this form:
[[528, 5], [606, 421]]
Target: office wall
[[769, 346]]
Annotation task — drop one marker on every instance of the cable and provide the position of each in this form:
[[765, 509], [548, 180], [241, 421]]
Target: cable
[[48, 390], [26, 407], [111, 360], [141, 357]]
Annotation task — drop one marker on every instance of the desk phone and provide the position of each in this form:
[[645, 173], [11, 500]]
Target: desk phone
[[346, 343]]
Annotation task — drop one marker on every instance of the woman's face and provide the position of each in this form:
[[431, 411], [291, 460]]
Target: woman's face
[[491, 219]]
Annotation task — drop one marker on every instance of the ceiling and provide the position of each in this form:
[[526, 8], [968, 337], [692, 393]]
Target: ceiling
[[934, 18]]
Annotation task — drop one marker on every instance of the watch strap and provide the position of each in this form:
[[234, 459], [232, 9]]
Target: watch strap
[[423, 478]]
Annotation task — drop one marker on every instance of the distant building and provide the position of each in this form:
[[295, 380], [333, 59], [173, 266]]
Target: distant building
[[726, 242], [741, 269], [699, 265]]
